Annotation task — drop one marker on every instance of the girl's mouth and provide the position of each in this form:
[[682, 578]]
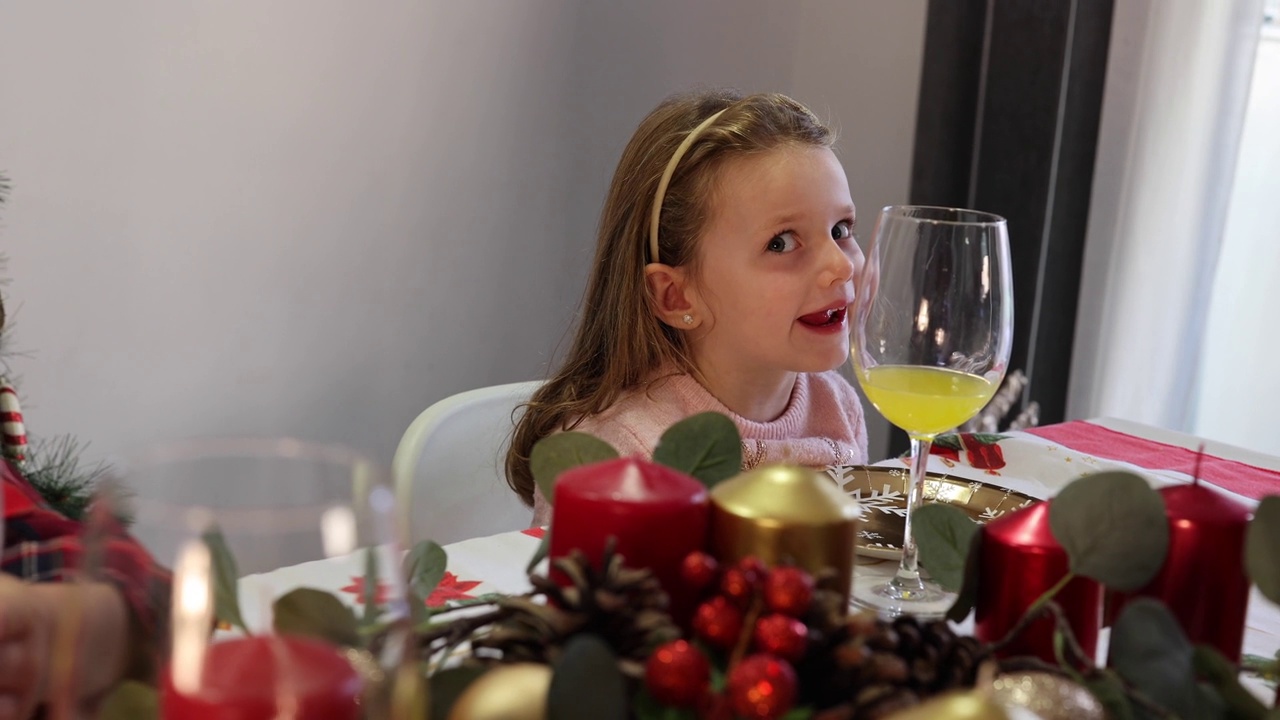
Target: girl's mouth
[[832, 319]]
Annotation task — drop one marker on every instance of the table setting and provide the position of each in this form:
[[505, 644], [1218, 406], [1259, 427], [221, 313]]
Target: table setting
[[1074, 570]]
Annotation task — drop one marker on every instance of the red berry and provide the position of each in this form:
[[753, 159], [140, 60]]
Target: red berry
[[737, 586], [762, 687], [754, 567], [718, 622], [714, 707], [788, 590], [699, 570], [677, 674], [781, 635]]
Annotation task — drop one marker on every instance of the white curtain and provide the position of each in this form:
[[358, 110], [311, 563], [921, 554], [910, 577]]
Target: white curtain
[[1177, 85]]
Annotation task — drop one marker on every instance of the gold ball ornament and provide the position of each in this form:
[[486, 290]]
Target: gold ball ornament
[[968, 705], [1049, 696], [785, 514], [507, 692]]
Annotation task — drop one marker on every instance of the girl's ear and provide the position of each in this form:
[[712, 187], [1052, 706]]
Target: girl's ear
[[670, 296]]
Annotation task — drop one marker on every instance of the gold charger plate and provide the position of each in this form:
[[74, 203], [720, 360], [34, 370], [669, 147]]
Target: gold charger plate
[[882, 492]]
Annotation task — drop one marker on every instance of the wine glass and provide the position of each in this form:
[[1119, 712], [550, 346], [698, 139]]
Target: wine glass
[[933, 323], [291, 515]]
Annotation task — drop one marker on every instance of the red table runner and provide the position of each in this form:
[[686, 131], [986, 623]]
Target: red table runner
[[1086, 437]]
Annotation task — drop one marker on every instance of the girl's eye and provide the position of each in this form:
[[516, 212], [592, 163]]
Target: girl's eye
[[842, 230], [782, 242]]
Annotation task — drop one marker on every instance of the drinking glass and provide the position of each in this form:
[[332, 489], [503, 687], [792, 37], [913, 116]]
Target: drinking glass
[[291, 515], [932, 328]]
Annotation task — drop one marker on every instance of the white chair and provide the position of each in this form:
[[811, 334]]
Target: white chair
[[449, 468]]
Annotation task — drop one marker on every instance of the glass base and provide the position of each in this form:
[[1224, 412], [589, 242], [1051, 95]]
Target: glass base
[[899, 596]]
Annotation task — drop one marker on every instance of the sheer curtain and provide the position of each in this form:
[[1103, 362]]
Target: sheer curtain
[[1177, 85]]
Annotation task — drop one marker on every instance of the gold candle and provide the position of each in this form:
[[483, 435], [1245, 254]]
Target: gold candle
[[786, 514]]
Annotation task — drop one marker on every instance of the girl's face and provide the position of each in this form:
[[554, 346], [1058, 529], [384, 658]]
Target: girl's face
[[777, 260]]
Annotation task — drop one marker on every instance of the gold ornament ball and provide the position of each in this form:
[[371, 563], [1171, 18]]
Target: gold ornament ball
[[507, 692], [1051, 697], [955, 706]]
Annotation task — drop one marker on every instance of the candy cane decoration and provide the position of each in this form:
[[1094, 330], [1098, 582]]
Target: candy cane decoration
[[13, 431]]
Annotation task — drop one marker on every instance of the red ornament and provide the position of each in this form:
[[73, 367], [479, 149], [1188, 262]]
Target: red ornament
[[762, 687], [699, 570], [718, 621], [741, 582], [677, 674], [788, 590], [781, 635]]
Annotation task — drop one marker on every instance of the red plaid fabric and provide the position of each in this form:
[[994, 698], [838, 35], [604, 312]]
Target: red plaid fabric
[[42, 545]]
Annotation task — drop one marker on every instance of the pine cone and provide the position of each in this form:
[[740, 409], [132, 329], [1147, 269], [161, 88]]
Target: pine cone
[[626, 607], [872, 668]]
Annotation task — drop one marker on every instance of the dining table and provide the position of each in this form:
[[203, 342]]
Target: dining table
[[1037, 462]]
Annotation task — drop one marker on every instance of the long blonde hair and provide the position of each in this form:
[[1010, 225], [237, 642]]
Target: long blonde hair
[[620, 342]]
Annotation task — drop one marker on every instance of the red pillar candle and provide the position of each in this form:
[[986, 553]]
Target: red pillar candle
[[1203, 581], [1020, 561], [263, 678], [657, 514]]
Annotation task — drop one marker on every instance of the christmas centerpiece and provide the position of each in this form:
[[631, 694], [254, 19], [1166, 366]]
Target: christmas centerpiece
[[762, 627]]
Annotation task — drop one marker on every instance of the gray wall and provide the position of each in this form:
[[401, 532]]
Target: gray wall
[[316, 217]]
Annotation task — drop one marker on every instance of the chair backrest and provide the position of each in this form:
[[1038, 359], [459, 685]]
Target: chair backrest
[[449, 467]]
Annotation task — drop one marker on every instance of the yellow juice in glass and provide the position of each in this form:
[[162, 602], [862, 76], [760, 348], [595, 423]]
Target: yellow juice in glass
[[925, 401]]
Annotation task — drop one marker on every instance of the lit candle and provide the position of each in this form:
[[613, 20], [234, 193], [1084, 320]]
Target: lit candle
[[1203, 581], [658, 516], [1020, 561], [267, 677]]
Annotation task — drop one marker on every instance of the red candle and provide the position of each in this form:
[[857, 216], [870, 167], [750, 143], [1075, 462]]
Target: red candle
[[1021, 560], [1203, 581], [262, 678], [657, 514]]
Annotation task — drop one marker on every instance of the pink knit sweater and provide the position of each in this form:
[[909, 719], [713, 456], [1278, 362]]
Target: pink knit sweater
[[822, 424]]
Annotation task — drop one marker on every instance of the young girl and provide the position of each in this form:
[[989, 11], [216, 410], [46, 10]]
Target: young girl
[[723, 272]]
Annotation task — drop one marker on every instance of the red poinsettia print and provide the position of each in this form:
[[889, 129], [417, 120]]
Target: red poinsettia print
[[450, 588]]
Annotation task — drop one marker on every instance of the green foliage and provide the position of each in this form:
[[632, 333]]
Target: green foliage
[[1151, 653], [1262, 548], [317, 614], [944, 534], [586, 683], [226, 578], [706, 446], [1113, 527], [554, 454]]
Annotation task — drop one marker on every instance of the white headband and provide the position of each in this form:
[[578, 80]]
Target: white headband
[[666, 180]]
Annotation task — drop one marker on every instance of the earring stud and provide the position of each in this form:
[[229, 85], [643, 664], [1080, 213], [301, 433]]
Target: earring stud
[[688, 319]]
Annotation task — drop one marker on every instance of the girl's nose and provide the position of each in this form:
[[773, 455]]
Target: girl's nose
[[841, 262]]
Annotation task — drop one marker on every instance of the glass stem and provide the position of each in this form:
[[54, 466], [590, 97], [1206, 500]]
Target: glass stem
[[908, 578]]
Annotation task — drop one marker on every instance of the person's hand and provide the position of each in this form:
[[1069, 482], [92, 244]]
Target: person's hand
[[30, 617], [25, 635]]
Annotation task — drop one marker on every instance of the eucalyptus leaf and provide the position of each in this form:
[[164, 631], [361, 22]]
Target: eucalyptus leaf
[[1151, 653], [369, 588], [706, 446], [967, 598], [544, 549], [1224, 677], [944, 534], [586, 683], [226, 579], [317, 614], [1113, 527], [130, 700], [424, 566], [1109, 690], [1262, 545], [558, 452], [447, 686]]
